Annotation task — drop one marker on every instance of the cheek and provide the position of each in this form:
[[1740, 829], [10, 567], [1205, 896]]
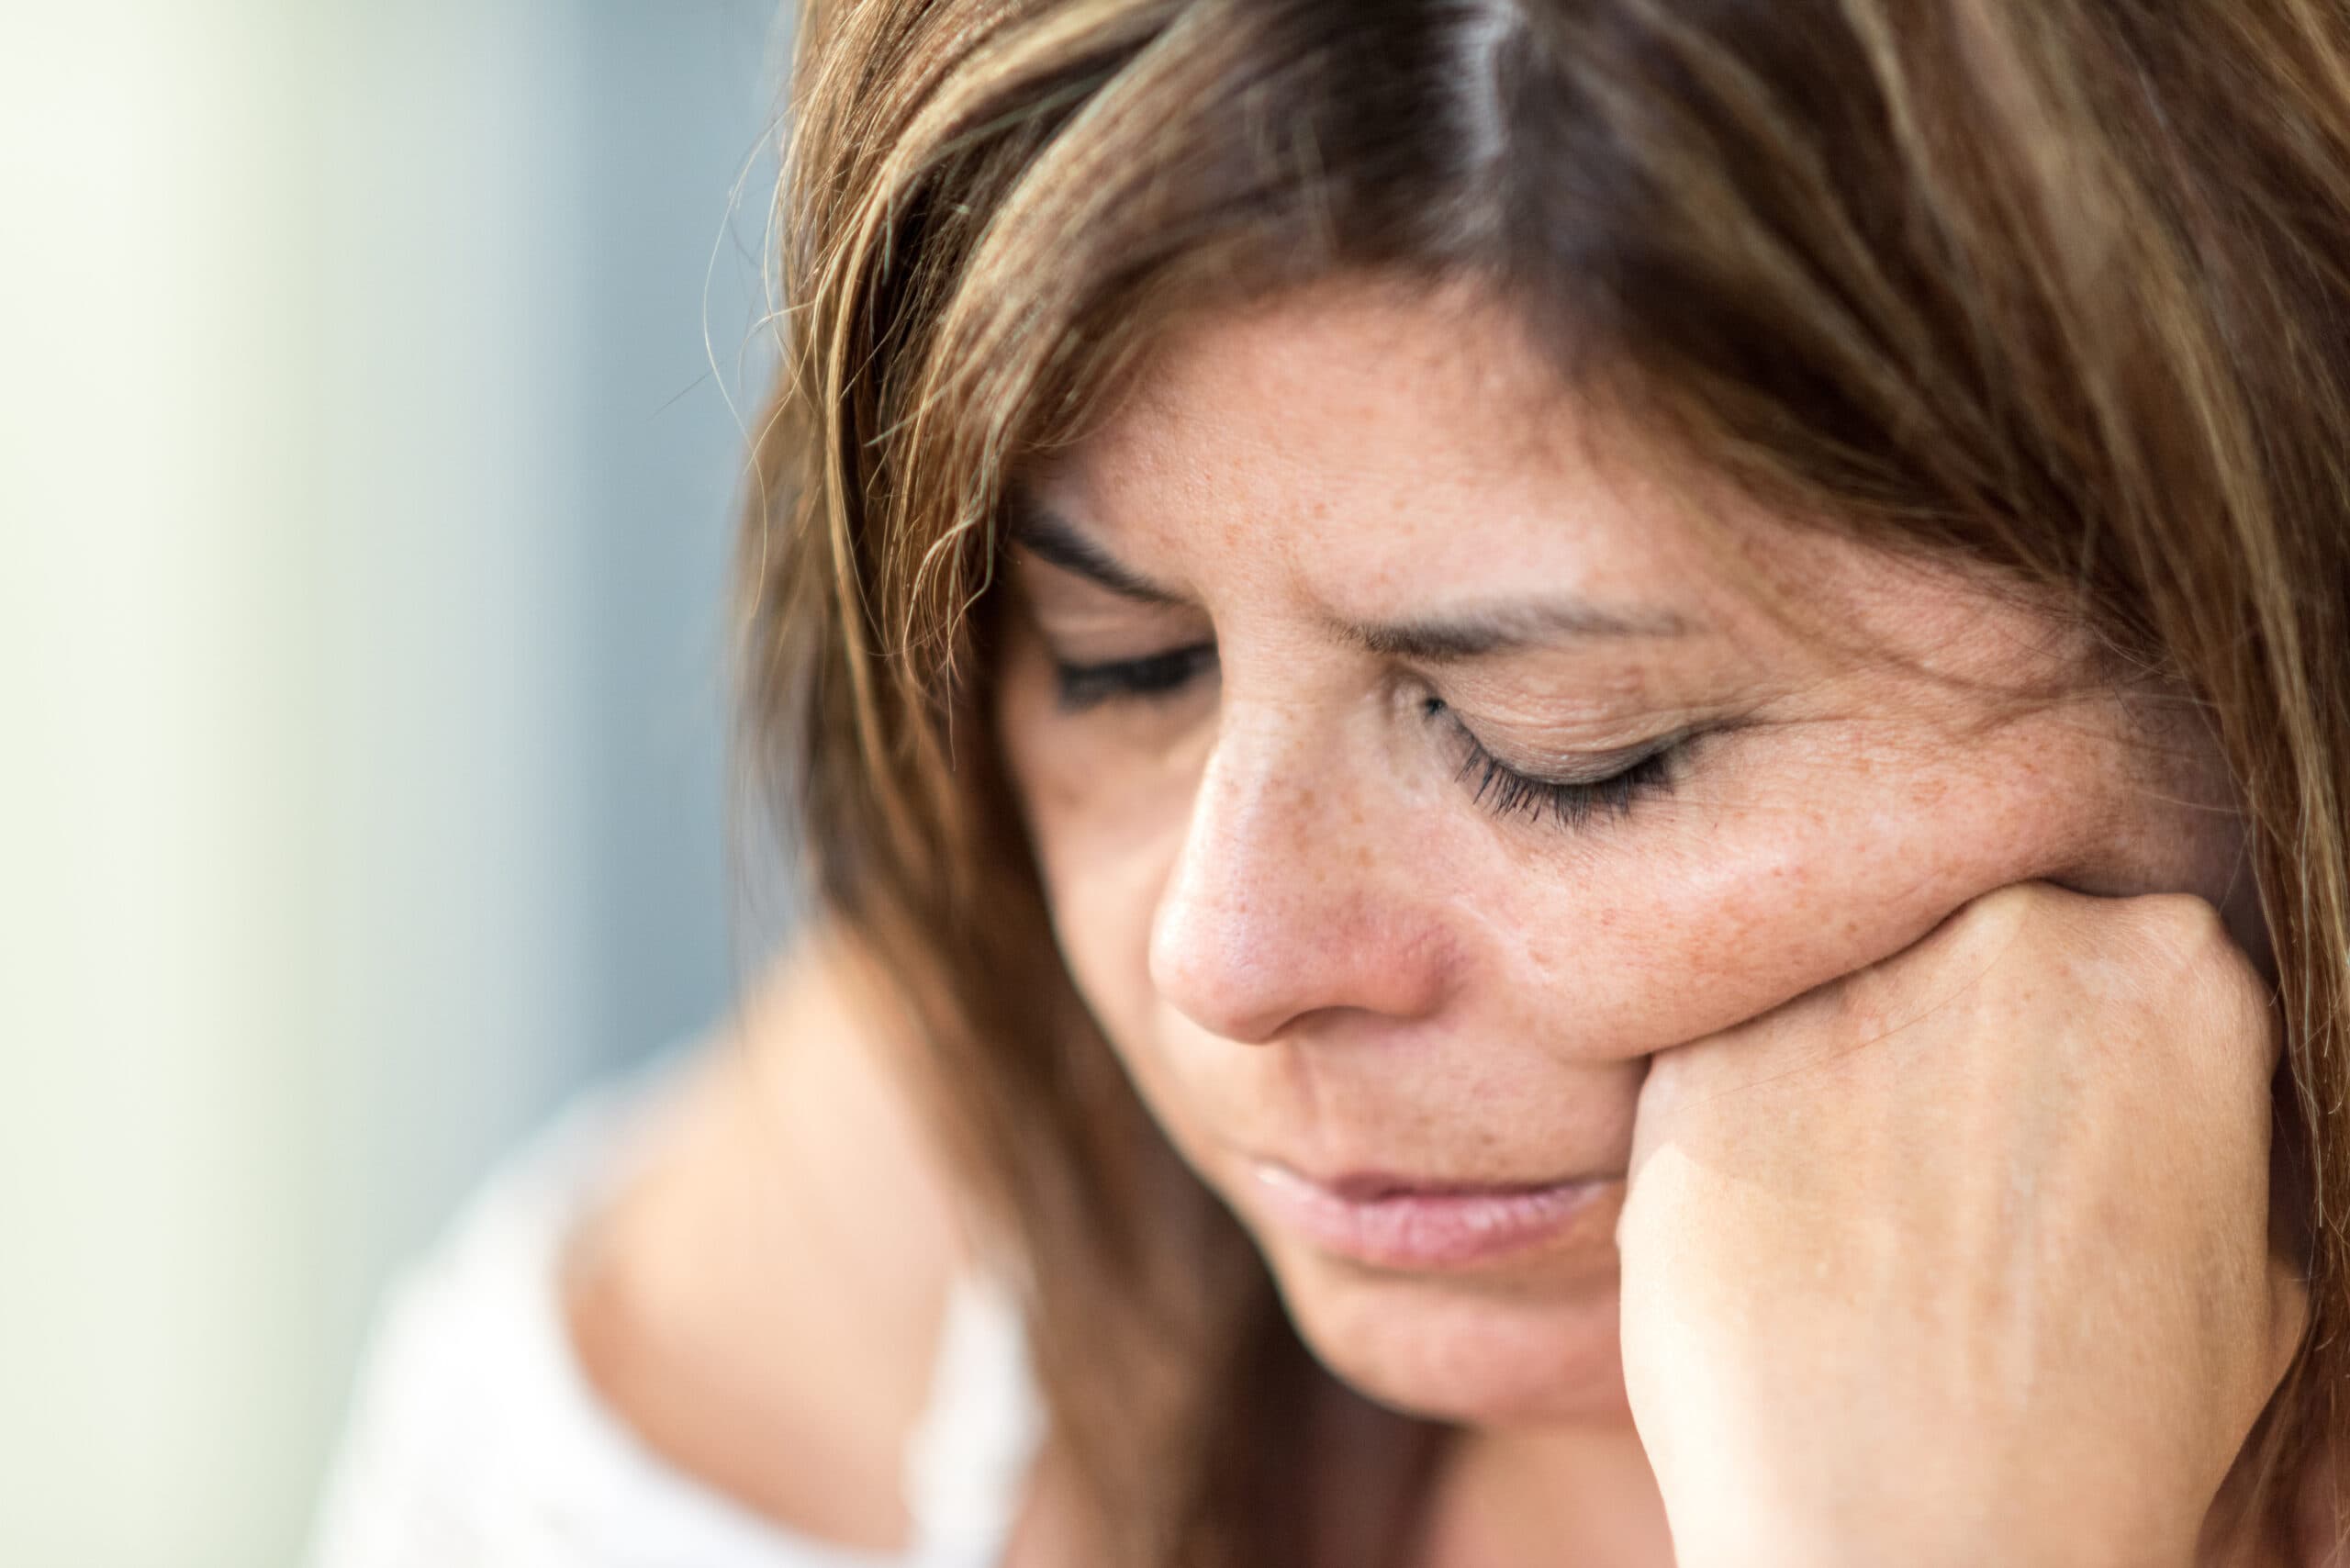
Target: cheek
[[1793, 858], [1106, 817], [1818, 856]]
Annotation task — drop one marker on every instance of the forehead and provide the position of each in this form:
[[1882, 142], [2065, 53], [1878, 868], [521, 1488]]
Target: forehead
[[1357, 451], [1345, 435]]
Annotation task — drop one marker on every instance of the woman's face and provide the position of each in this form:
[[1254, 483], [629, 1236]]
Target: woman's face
[[1406, 764]]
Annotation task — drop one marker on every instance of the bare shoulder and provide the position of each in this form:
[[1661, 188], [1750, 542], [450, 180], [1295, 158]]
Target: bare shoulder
[[762, 1301]]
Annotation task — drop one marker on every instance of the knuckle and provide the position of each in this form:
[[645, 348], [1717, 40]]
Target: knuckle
[[2210, 986], [2179, 927], [1991, 923], [1996, 940], [2186, 936]]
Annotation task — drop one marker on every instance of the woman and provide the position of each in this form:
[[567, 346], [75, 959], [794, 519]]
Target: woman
[[1577, 768]]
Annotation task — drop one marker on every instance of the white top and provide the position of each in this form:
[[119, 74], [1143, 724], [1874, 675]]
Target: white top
[[476, 1441]]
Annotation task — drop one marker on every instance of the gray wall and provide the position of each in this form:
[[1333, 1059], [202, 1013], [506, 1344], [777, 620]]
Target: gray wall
[[367, 486]]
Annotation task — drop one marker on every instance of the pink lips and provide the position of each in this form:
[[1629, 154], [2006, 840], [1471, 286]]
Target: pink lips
[[1395, 1224]]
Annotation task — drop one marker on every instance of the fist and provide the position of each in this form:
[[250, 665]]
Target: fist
[[1963, 1258]]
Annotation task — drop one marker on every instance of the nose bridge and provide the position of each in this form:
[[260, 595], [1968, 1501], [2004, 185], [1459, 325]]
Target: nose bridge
[[1281, 902]]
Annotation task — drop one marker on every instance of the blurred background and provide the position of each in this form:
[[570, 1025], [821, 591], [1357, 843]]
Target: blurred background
[[372, 382]]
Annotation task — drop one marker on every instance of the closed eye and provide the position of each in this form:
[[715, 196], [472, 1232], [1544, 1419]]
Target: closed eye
[[1153, 676], [1616, 781]]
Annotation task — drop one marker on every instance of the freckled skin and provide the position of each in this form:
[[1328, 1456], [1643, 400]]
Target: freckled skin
[[1307, 940]]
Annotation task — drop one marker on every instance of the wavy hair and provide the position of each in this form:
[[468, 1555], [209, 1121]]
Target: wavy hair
[[2059, 287]]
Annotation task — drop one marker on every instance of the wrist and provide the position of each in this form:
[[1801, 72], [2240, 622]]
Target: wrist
[[1736, 1538]]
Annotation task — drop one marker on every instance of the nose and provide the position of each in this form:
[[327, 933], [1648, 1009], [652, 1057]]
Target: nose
[[1294, 894]]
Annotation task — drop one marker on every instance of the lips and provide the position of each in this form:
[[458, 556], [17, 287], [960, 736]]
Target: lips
[[1398, 1223]]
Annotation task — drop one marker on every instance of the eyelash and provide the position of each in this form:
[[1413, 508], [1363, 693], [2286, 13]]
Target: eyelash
[[1570, 803], [1492, 783], [1083, 687]]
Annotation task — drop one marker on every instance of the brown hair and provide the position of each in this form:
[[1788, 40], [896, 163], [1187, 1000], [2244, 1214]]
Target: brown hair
[[2061, 287]]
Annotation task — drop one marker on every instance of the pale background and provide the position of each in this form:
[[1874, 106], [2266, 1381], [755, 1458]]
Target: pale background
[[365, 490]]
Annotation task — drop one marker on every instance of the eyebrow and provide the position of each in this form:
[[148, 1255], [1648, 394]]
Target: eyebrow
[[1052, 538], [1476, 632]]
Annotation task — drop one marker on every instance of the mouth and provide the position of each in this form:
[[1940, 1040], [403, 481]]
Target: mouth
[[1396, 1222]]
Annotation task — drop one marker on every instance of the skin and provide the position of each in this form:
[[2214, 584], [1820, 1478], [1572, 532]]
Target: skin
[[1311, 942], [760, 1298], [2023, 1164], [1906, 805]]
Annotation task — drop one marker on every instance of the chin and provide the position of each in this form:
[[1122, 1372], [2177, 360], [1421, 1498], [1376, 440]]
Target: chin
[[1492, 1350]]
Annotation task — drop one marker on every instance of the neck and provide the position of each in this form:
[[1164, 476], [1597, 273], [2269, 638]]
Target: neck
[[1537, 1497]]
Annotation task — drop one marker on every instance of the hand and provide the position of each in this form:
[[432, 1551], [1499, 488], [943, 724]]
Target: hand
[[1963, 1259]]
